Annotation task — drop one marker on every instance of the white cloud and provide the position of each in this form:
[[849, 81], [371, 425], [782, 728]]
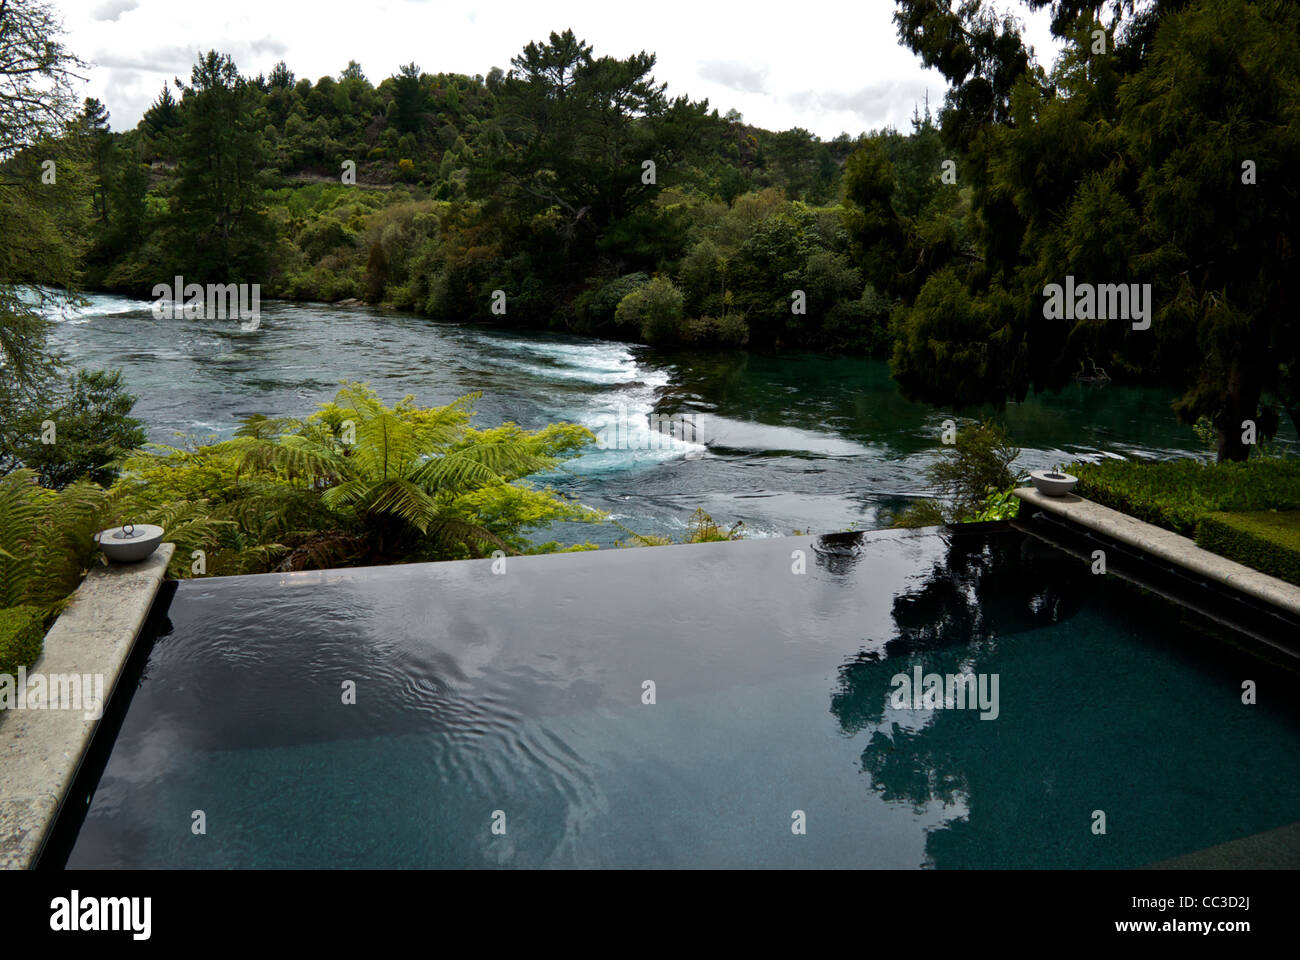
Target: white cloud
[[868, 104], [155, 60], [269, 45], [735, 75], [114, 9]]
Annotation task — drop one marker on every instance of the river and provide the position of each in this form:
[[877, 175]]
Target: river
[[782, 443]]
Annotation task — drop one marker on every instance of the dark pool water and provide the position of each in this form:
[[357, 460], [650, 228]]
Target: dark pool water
[[792, 443], [521, 692]]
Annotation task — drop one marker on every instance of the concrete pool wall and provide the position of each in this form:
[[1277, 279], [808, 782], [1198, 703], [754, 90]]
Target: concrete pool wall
[[43, 743], [1166, 545]]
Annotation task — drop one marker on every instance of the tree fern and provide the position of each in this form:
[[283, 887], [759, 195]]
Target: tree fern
[[357, 481], [392, 473]]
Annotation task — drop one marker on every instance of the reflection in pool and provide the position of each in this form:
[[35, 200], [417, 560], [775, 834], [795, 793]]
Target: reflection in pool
[[518, 702]]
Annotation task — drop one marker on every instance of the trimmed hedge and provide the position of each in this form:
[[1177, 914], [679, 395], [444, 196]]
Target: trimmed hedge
[[1176, 494], [22, 635], [1267, 541]]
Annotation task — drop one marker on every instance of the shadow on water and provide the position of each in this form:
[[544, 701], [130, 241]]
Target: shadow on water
[[1103, 701], [984, 588]]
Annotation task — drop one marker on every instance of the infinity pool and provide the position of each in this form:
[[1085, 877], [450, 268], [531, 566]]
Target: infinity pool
[[501, 719]]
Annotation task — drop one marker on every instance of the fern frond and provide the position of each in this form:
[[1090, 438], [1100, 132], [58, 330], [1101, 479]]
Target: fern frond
[[468, 534], [402, 498]]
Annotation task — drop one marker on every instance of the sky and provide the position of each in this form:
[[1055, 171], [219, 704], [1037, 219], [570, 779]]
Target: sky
[[829, 67]]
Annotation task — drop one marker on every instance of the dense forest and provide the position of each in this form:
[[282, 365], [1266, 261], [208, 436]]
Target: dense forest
[[566, 185]]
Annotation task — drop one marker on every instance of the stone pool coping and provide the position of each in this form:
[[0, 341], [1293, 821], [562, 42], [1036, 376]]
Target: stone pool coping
[[1167, 545], [43, 748]]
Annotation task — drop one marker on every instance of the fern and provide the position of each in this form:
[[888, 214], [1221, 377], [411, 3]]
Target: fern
[[392, 473], [358, 481]]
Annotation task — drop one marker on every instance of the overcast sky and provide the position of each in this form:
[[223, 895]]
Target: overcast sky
[[825, 66]]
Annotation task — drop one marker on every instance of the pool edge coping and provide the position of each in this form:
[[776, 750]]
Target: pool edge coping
[[44, 748], [1168, 546]]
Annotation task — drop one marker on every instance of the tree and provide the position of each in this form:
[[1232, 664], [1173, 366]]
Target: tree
[[94, 120], [878, 233], [281, 77], [95, 115], [1120, 168], [408, 99], [655, 310], [163, 115], [37, 75], [579, 149], [792, 156], [127, 197], [93, 430], [1223, 251], [376, 276], [978, 49], [42, 197], [579, 131], [221, 231]]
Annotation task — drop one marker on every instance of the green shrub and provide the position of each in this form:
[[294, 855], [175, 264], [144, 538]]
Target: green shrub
[[998, 505], [920, 513], [22, 634], [1176, 494], [729, 330], [860, 325], [704, 529], [322, 237], [595, 308], [655, 309], [1268, 541], [359, 481], [976, 465], [700, 274], [973, 476], [93, 429]]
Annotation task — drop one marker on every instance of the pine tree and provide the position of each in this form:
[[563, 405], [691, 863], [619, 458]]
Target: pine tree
[[222, 234]]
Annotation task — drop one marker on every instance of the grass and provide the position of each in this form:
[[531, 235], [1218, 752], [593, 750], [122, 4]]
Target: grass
[[22, 635], [1177, 494], [1248, 512], [1267, 541]]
